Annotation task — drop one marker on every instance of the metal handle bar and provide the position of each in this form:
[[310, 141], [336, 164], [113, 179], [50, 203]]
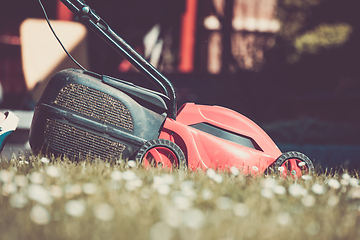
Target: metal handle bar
[[89, 18]]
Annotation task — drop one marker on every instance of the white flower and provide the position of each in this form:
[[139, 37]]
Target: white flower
[[21, 180], [241, 209], [306, 177], [344, 182], [255, 168], [53, 171], [163, 189], [346, 176], [116, 175], [218, 178], [188, 184], [131, 163], [234, 171], [181, 202], [284, 218], [161, 231], [168, 179], [280, 190], [189, 192], [158, 180], [133, 184], [355, 192], [23, 162], [266, 193], [223, 203], [354, 182], [333, 200], [281, 169], [5, 176], [129, 175], [207, 194], [9, 188], [18, 200], [268, 183], [45, 160], [194, 218], [301, 164], [56, 191], [210, 173], [37, 178], [317, 189], [297, 190], [333, 183], [39, 215], [214, 176], [308, 201], [104, 211], [75, 208], [89, 188], [74, 189], [173, 217], [38, 193]]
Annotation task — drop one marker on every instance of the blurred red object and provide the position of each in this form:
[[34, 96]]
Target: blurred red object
[[11, 76], [62, 12], [187, 42]]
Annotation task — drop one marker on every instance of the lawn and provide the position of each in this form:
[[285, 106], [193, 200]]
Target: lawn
[[49, 198]]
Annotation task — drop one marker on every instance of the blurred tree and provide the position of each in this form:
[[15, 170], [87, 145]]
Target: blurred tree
[[319, 39], [315, 59], [307, 33], [322, 37]]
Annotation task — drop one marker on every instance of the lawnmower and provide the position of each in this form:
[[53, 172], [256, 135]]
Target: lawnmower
[[83, 114]]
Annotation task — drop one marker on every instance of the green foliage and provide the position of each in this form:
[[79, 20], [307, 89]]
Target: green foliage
[[303, 34], [323, 37], [293, 14], [55, 198]]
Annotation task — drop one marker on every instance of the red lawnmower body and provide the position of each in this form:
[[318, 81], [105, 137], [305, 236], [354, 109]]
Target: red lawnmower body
[[112, 118], [204, 150]]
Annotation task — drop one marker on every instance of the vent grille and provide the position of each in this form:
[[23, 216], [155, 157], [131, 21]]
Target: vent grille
[[75, 142], [95, 104]]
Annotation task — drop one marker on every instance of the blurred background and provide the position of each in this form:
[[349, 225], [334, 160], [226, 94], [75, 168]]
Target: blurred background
[[289, 65]]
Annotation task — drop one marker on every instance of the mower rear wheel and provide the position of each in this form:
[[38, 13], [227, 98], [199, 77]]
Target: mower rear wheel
[[161, 153], [294, 164]]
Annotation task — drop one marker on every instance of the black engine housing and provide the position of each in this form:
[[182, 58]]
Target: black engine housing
[[83, 114]]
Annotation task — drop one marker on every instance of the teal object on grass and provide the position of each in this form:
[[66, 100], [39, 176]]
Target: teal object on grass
[[7, 127]]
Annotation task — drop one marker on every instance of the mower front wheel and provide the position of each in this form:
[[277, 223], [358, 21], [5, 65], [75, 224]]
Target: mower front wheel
[[294, 163], [161, 153]]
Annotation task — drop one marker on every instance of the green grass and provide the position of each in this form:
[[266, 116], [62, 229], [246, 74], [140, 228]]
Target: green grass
[[97, 200]]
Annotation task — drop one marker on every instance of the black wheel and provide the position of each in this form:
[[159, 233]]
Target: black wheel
[[161, 153], [294, 163]]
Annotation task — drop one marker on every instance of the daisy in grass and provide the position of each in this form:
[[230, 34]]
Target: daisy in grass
[[104, 212], [39, 215], [75, 208]]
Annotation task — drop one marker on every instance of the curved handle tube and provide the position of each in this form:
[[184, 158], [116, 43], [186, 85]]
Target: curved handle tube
[[89, 18]]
